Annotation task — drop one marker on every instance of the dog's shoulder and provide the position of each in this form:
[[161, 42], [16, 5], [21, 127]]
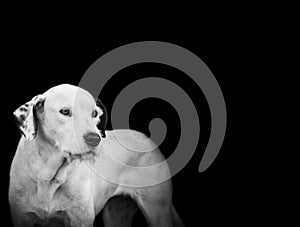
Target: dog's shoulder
[[19, 160], [21, 182], [134, 146]]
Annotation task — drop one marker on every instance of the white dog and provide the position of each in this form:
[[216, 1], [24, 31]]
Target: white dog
[[66, 168]]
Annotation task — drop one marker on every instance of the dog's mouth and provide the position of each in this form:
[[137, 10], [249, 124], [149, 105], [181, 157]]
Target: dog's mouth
[[68, 158], [89, 155]]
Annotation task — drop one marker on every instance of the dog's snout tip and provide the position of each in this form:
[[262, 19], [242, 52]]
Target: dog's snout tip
[[92, 139]]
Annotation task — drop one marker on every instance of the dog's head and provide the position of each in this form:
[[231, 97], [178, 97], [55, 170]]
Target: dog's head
[[66, 116]]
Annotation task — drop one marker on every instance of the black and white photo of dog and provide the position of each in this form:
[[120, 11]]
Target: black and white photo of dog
[[55, 184], [51, 185]]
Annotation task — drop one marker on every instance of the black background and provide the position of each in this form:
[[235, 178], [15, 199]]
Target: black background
[[38, 58]]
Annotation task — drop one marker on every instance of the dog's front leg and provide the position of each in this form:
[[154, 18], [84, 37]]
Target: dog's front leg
[[81, 216]]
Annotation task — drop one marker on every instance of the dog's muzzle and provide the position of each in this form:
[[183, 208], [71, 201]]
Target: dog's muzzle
[[92, 139]]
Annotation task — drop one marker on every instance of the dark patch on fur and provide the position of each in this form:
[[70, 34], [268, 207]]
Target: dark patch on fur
[[23, 109], [37, 109], [103, 118], [20, 122]]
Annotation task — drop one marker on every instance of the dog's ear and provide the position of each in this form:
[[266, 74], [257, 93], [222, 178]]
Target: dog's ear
[[25, 116], [103, 118]]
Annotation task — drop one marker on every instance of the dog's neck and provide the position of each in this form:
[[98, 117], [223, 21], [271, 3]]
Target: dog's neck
[[48, 159], [46, 166], [54, 160]]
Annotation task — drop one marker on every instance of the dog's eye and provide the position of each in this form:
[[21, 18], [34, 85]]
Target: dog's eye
[[65, 111], [94, 113]]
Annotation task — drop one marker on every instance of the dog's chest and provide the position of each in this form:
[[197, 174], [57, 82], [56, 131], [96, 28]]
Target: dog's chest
[[45, 195], [49, 199], [60, 195]]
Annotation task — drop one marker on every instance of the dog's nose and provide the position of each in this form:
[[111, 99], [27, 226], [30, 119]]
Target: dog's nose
[[92, 139]]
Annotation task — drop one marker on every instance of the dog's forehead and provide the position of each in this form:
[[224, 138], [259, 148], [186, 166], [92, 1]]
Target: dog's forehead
[[68, 95]]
